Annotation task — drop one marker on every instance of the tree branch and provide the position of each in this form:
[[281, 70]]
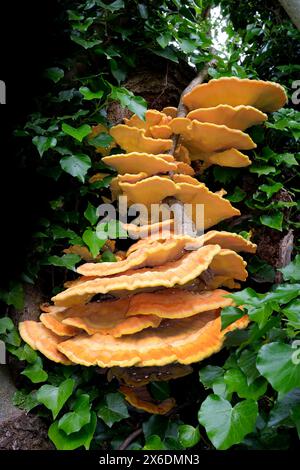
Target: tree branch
[[130, 438]]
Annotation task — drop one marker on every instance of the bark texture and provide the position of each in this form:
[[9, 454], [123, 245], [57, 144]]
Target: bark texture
[[292, 7]]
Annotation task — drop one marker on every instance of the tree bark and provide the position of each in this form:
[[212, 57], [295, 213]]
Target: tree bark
[[292, 7]]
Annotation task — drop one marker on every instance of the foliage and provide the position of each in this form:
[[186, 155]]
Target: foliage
[[248, 395]]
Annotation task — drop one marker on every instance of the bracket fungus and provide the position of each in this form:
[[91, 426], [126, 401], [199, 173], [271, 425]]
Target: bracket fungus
[[265, 96], [166, 292]]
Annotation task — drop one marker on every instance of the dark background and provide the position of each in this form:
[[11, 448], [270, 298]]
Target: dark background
[[28, 46]]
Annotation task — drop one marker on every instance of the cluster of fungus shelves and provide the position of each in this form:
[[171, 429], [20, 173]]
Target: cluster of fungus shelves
[[168, 290]]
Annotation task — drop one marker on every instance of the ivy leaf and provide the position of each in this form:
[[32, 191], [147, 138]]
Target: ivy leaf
[[157, 425], [154, 443], [78, 133], [117, 71], [93, 242], [292, 312], [76, 165], [108, 257], [279, 363], [90, 95], [14, 296], [273, 220], [292, 271], [43, 143], [114, 6], [90, 214], [247, 363], [86, 44], [283, 407], [54, 398], [282, 293], [167, 53], [25, 401], [238, 195], [6, 324], [127, 99], [270, 189], [66, 261], [101, 140], [209, 374], [35, 372], [230, 315], [55, 74], [26, 353], [188, 436], [236, 381], [262, 169], [226, 425], [112, 409], [63, 441], [164, 39], [79, 417]]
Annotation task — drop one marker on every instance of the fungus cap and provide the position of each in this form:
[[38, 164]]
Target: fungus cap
[[132, 139], [236, 117], [266, 96], [207, 137]]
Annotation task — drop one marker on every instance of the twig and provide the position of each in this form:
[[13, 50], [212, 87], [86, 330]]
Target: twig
[[130, 439], [182, 109]]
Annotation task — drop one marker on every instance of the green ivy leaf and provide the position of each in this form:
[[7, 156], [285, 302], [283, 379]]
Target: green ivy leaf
[[262, 169], [79, 417], [86, 44], [154, 443], [101, 140], [270, 189], [112, 409], [230, 315], [66, 261], [35, 372], [127, 99], [209, 374], [247, 363], [14, 296], [78, 133], [188, 436], [76, 165], [108, 257], [238, 195], [43, 143], [93, 242], [90, 214], [236, 381], [283, 407], [6, 325], [292, 271], [54, 398], [279, 363], [90, 95], [26, 353], [164, 39], [55, 74], [167, 53], [226, 425], [114, 6], [63, 441], [273, 220], [25, 401], [292, 312]]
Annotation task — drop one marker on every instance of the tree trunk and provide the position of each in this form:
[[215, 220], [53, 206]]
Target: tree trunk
[[292, 7]]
